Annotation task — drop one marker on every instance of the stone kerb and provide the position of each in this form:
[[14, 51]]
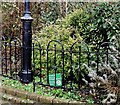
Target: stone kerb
[[38, 98]]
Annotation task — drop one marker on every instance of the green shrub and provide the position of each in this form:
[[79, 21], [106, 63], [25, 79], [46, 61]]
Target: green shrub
[[92, 23], [67, 35], [95, 23]]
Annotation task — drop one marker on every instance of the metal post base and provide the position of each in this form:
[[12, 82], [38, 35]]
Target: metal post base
[[26, 77]]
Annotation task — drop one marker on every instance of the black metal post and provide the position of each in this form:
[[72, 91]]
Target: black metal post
[[26, 74]]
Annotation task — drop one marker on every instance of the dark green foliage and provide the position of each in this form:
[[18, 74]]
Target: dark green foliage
[[106, 20], [43, 13], [97, 22], [93, 23]]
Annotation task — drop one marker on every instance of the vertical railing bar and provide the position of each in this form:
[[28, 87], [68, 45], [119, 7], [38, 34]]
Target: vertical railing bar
[[33, 66], [40, 66], [33, 57], [20, 50], [2, 55], [10, 60], [63, 69], [88, 58], [55, 68], [97, 59], [21, 60], [6, 58], [71, 72], [15, 53], [47, 67], [107, 46], [79, 66]]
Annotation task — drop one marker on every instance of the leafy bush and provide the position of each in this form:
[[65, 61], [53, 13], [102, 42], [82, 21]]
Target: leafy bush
[[92, 23], [43, 13], [97, 22], [11, 25], [67, 35]]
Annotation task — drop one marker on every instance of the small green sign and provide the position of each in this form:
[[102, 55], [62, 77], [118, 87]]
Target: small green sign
[[58, 79]]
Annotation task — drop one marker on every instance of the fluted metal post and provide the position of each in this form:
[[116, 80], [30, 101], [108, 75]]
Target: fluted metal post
[[26, 74]]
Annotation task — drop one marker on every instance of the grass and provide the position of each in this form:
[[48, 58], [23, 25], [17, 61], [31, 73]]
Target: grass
[[47, 91]]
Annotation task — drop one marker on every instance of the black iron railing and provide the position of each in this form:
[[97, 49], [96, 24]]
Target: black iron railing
[[54, 66]]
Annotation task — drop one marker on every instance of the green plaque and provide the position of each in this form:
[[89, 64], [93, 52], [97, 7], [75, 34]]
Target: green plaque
[[58, 79]]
